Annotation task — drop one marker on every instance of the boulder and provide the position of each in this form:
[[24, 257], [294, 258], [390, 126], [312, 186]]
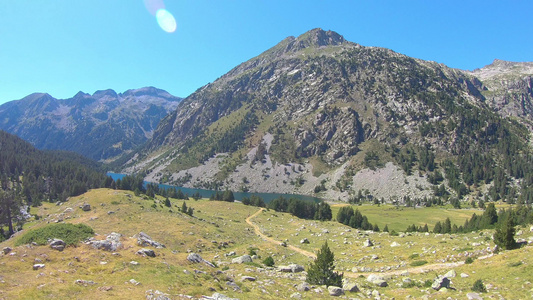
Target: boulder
[[145, 240], [146, 252], [247, 278], [292, 268], [303, 287], [57, 244], [395, 244], [473, 296], [6, 250], [450, 274], [85, 207], [157, 295], [242, 259], [377, 280], [304, 241], [350, 287], [464, 275], [111, 243], [218, 296], [38, 266], [368, 243], [335, 291], [196, 258], [441, 282], [296, 295]]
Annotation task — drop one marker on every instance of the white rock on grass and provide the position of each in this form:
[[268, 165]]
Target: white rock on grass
[[335, 291]]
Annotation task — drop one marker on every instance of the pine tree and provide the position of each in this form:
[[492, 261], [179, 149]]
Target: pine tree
[[184, 208], [321, 272], [504, 236]]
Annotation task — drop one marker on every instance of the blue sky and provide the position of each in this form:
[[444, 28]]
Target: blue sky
[[64, 46]]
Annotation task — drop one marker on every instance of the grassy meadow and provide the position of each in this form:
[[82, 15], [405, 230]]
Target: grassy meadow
[[218, 228]]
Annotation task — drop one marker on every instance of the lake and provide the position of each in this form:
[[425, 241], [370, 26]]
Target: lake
[[267, 197]]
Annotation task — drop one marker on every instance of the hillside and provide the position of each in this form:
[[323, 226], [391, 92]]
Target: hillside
[[319, 115], [100, 126], [29, 177], [221, 232]]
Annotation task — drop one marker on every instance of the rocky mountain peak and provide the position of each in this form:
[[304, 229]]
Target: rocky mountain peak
[[102, 93]]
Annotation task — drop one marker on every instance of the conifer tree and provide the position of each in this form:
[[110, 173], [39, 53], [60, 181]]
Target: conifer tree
[[504, 236], [321, 271]]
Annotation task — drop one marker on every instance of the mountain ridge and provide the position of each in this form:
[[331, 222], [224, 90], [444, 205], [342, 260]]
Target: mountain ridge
[[100, 126]]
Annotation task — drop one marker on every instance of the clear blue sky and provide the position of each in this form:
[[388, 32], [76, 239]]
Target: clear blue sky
[[64, 46]]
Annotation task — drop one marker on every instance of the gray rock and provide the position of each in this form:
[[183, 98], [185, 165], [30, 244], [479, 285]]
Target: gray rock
[[111, 243], [84, 282], [296, 295], [473, 296], [368, 243], [292, 268], [350, 287], [146, 252], [242, 259], [464, 275], [145, 240], [157, 295], [134, 282], [85, 207], [6, 250], [335, 291], [233, 285], [377, 280], [38, 266], [303, 287], [441, 282], [304, 241], [218, 296], [247, 278], [57, 244], [450, 274], [395, 244]]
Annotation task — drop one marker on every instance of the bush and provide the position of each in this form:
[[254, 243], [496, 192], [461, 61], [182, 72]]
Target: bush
[[269, 261], [469, 260], [71, 234], [418, 263], [479, 286]]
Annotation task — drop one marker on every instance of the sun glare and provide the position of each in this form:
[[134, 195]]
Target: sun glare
[[166, 20]]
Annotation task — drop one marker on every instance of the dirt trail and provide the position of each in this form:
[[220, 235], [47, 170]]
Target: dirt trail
[[413, 270]]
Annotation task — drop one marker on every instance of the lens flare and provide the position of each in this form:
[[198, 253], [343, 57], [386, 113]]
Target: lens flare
[[166, 20]]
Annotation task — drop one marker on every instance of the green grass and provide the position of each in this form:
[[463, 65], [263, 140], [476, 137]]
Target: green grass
[[398, 218], [71, 234]]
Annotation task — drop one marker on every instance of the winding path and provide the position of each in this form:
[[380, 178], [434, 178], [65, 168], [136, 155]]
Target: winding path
[[413, 270]]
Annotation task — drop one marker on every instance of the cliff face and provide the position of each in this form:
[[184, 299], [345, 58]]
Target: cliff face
[[509, 88]]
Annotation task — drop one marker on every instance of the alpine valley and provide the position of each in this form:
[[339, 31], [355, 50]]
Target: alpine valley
[[319, 115]]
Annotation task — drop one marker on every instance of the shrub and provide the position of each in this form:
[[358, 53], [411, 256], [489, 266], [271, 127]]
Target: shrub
[[71, 234], [469, 260], [269, 261], [418, 263], [479, 286]]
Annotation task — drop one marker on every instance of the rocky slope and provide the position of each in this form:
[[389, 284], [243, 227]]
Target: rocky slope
[[509, 88], [310, 113], [100, 126]]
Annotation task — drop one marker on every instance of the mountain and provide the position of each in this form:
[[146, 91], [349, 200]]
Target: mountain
[[509, 88], [100, 126], [320, 115]]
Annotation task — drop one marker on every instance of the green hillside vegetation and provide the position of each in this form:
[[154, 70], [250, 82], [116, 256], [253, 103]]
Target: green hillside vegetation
[[218, 228], [29, 177]]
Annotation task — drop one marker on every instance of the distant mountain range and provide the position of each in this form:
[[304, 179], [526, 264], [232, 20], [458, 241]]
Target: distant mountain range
[[320, 115], [101, 126]]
